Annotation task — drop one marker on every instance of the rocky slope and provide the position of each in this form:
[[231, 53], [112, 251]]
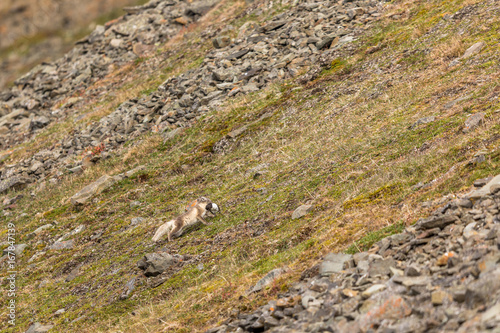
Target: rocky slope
[[36, 31], [289, 44], [440, 275]]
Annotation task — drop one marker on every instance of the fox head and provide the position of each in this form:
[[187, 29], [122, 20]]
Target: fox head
[[200, 200]]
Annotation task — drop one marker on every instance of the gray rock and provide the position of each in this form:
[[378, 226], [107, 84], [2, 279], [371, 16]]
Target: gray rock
[[491, 314], [334, 263], [474, 121], [480, 291], [15, 182], [422, 121], [136, 220], [129, 288], [59, 312], [18, 249], [435, 222], [237, 132], [40, 121], [372, 290], [485, 190], [63, 245], [39, 328], [301, 211], [42, 228], [266, 280], [476, 48], [156, 263], [91, 190], [381, 267], [221, 41]]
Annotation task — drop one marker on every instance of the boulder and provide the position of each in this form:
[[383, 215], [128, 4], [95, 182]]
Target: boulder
[[91, 190], [301, 211], [154, 264]]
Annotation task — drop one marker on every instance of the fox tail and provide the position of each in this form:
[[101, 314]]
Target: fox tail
[[163, 229]]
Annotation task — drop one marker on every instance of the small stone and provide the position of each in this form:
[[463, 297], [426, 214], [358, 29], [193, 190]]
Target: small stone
[[412, 271], [137, 220], [221, 41], [266, 280], [376, 288], [473, 121], [334, 263], [93, 189], [491, 314], [181, 20], [349, 293], [116, 43], [410, 281], [476, 48], [469, 230], [59, 312], [394, 308], [435, 222], [495, 188], [39, 328], [381, 267], [301, 211], [63, 245], [439, 297], [154, 264], [18, 249], [466, 203], [459, 294], [485, 190]]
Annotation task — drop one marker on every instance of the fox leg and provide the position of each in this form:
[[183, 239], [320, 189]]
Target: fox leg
[[202, 220], [176, 230]]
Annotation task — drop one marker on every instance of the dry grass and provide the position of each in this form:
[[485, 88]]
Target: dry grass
[[452, 49]]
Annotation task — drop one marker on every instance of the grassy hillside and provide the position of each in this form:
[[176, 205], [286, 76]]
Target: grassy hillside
[[348, 142]]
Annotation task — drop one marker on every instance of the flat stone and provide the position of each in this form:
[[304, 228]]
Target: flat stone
[[116, 43], [18, 249], [39, 328], [372, 290], [485, 190], [221, 41], [16, 183], [412, 271], [63, 245], [154, 264], [91, 190], [394, 308], [435, 222], [301, 211], [474, 121], [237, 54], [439, 297], [480, 291], [381, 267], [42, 228], [274, 25], [237, 132], [492, 313], [334, 263], [266, 280], [410, 281], [136, 220], [475, 48]]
